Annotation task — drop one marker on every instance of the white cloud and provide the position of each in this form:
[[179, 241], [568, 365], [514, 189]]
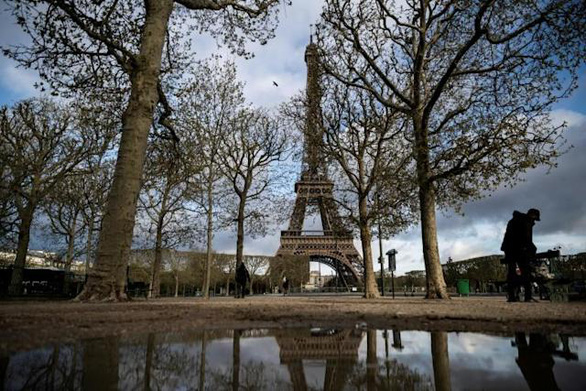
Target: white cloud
[[572, 118], [18, 81]]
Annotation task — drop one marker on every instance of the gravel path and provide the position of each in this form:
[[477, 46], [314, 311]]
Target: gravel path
[[27, 324]]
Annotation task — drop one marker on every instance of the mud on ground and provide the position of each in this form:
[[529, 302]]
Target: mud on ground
[[28, 324]]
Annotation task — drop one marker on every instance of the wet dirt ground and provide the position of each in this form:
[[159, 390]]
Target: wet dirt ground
[[28, 324]]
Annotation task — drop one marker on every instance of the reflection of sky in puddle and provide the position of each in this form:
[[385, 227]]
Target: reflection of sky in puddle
[[476, 361]]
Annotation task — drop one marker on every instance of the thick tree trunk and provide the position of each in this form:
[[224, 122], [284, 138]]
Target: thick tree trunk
[[441, 360], [24, 235], [107, 278], [436, 285], [370, 287], [210, 234], [371, 360]]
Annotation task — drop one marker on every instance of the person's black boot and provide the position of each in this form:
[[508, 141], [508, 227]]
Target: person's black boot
[[512, 297]]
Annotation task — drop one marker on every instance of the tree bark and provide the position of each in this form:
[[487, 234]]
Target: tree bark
[[100, 364], [371, 360], [441, 360], [107, 279], [370, 287], [24, 235], [240, 231], [210, 237], [435, 283]]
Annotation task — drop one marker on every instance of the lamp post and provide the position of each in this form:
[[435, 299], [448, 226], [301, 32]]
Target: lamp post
[[392, 267]]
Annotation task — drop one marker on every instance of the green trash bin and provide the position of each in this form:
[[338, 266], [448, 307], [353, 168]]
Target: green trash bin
[[463, 287]]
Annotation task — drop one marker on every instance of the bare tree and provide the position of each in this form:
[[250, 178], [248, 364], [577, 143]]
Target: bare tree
[[64, 207], [208, 105], [364, 141], [295, 268], [177, 262], [255, 264], [254, 144], [474, 80], [164, 201], [114, 45], [75, 205], [42, 143], [227, 264]]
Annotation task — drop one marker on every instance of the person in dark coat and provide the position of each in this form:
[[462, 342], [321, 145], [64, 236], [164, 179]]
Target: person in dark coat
[[519, 251], [242, 276], [285, 286]]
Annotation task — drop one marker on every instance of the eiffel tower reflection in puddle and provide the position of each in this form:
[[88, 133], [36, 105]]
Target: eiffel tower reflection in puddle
[[338, 348], [302, 359]]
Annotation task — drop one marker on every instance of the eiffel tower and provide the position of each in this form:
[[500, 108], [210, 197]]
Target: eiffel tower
[[333, 245]]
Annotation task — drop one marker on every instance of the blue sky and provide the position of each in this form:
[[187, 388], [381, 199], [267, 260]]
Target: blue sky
[[559, 195]]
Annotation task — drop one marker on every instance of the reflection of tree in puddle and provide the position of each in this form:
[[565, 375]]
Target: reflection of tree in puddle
[[441, 360], [54, 368], [252, 375], [167, 361], [373, 374], [100, 364]]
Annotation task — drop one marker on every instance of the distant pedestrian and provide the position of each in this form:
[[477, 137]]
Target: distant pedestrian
[[242, 276], [285, 286], [519, 251]]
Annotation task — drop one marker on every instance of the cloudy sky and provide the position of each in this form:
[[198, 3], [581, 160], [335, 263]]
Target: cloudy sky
[[558, 194]]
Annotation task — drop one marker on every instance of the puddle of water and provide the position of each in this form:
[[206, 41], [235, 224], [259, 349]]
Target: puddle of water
[[304, 359]]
